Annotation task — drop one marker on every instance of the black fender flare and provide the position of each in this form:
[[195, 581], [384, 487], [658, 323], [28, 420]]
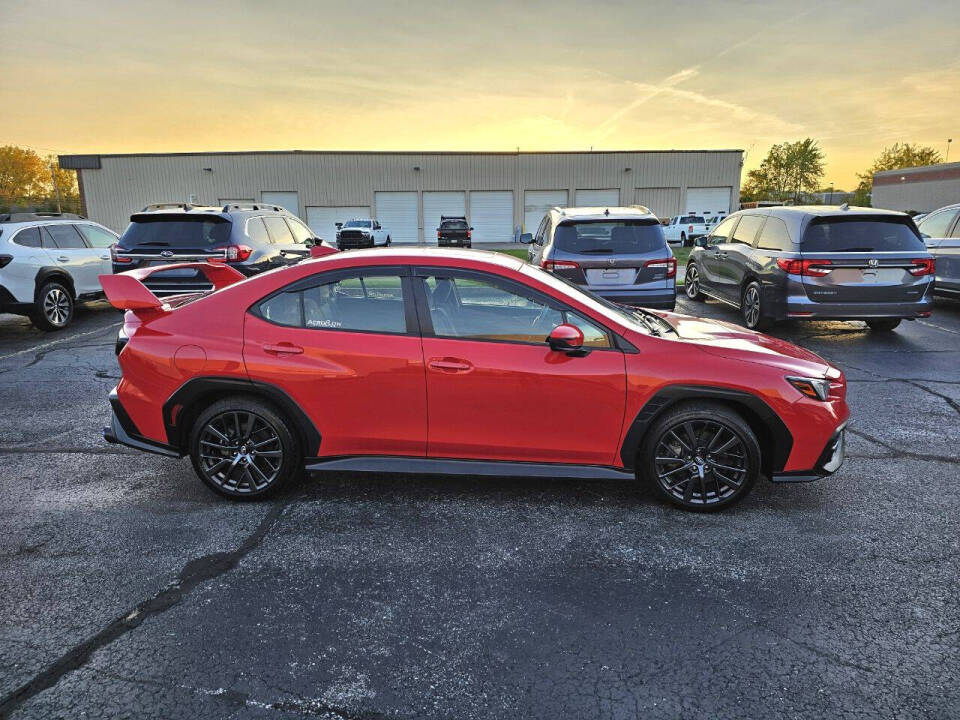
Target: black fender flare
[[52, 272], [198, 392], [773, 435]]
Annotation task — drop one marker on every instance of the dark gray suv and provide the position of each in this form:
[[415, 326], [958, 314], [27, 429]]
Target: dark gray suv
[[618, 253], [817, 263]]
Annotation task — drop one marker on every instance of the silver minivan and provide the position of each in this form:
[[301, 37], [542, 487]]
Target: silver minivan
[[619, 253]]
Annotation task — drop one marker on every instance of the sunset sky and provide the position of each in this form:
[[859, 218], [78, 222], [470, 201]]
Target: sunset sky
[[374, 75]]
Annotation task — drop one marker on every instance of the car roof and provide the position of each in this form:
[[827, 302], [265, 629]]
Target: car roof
[[604, 213], [412, 255], [226, 212], [797, 217]]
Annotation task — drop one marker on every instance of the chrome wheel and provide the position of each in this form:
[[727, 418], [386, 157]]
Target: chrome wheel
[[701, 462], [751, 306], [56, 306], [240, 452], [692, 282]]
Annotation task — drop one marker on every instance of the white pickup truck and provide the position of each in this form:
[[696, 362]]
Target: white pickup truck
[[361, 233], [684, 229]]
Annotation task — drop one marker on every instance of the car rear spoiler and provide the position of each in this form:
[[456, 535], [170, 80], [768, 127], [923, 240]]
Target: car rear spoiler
[[126, 290]]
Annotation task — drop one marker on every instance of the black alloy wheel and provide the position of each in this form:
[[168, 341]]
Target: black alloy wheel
[[701, 457], [242, 448], [691, 283]]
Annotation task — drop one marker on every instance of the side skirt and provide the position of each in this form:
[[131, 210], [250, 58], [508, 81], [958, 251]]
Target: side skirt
[[445, 466]]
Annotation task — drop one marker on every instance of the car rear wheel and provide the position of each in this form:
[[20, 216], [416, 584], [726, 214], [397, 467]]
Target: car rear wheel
[[388, 241], [701, 457], [242, 448], [691, 283], [752, 307], [683, 239], [884, 325], [54, 307]]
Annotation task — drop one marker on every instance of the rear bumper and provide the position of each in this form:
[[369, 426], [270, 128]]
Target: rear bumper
[[662, 299], [828, 463], [9, 304], [805, 308], [123, 431], [456, 242]]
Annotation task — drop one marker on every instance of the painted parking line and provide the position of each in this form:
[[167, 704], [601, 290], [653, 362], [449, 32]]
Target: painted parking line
[[54, 343]]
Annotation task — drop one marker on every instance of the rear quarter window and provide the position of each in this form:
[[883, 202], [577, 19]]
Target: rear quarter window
[[861, 235], [609, 237], [29, 237], [775, 236]]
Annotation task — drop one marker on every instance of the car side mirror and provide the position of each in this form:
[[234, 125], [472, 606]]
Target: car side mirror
[[471, 227], [526, 238], [703, 241], [565, 338]]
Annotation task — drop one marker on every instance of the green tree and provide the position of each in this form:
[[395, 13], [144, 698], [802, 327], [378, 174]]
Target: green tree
[[897, 157], [790, 169]]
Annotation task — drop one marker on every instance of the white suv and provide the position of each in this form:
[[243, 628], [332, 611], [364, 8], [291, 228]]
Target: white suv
[[48, 262]]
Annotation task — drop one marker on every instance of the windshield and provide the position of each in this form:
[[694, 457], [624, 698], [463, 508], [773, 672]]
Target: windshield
[[687, 219], [861, 235], [357, 223], [629, 317], [176, 232], [621, 237]]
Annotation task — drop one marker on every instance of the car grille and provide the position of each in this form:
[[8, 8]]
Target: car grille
[[351, 235]]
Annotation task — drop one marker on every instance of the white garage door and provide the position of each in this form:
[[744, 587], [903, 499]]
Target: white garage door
[[323, 220], [708, 201], [436, 204], [285, 199], [664, 202], [597, 198], [491, 215], [537, 202], [397, 213]]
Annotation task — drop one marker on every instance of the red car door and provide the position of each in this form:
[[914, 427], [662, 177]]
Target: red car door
[[496, 391], [345, 346]]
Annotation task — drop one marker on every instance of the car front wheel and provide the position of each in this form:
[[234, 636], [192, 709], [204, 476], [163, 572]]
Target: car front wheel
[[242, 448], [701, 456], [54, 307]]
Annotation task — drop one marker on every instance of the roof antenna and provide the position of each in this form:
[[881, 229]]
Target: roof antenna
[[607, 211], [845, 207]]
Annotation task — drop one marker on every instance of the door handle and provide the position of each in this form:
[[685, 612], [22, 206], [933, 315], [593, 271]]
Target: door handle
[[63, 258], [450, 365], [283, 348]]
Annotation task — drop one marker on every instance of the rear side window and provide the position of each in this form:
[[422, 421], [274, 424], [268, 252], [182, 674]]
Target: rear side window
[[747, 229], [30, 237], [860, 235], [279, 232], [364, 303], [256, 231], [97, 237], [65, 236], [603, 237], [176, 232], [775, 236]]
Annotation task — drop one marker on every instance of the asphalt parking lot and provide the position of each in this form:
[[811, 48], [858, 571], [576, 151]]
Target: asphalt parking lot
[[128, 590]]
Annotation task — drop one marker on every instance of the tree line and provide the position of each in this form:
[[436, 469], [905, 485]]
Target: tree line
[[30, 181], [793, 171]]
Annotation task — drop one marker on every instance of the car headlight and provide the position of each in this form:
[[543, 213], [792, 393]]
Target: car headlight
[[814, 388]]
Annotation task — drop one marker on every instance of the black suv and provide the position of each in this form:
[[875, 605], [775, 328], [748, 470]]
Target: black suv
[[815, 263], [454, 230], [250, 238]]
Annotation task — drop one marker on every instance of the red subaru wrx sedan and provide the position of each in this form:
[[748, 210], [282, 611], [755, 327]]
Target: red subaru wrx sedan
[[458, 361]]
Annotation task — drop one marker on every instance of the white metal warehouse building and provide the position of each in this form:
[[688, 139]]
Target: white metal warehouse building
[[409, 191]]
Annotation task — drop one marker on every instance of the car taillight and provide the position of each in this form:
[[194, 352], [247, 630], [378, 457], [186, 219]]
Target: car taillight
[[5, 260], [810, 268], [118, 258], [690, 228], [237, 253], [559, 265], [469, 233], [438, 234], [669, 263], [924, 266]]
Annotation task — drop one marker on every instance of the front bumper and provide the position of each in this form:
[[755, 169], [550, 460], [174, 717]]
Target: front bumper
[[355, 243], [828, 463]]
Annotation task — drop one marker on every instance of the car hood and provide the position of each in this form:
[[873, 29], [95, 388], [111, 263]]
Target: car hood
[[732, 341]]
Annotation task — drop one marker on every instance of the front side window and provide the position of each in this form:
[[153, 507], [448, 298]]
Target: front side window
[[97, 236], [30, 237], [937, 224], [479, 308], [722, 231], [775, 236], [747, 229], [64, 236], [359, 303], [620, 237], [278, 230]]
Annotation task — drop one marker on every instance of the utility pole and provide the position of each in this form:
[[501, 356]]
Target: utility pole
[[56, 188]]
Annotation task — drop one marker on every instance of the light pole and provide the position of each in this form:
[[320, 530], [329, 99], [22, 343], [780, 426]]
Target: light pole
[[831, 193], [947, 158]]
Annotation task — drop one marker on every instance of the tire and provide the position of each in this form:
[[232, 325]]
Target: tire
[[751, 307], [53, 309], [692, 289], [469, 245], [682, 435], [269, 457], [683, 239], [388, 241], [884, 325]]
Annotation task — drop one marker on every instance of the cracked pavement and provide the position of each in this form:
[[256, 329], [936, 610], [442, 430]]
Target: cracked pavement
[[128, 590]]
